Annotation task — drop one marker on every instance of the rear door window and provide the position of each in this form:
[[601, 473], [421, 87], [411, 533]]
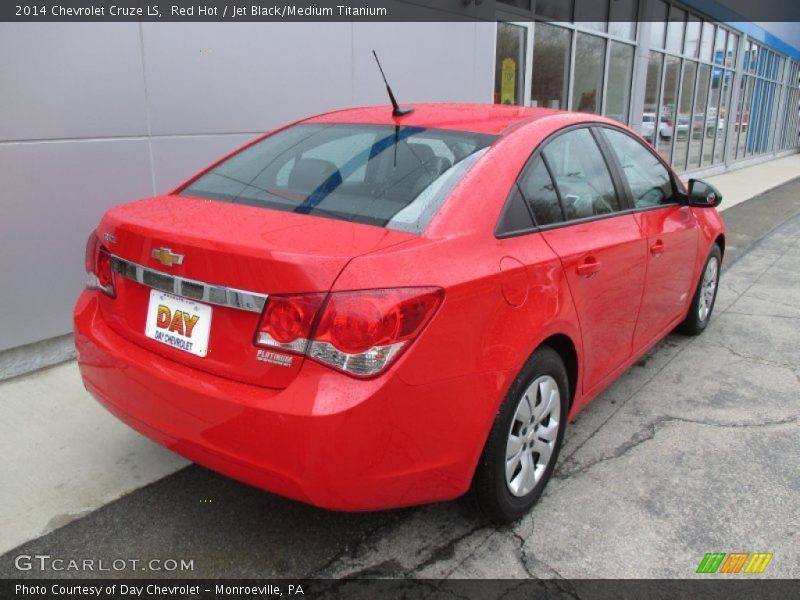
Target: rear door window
[[581, 175]]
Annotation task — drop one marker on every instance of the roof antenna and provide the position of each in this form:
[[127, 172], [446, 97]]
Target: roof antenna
[[397, 110]]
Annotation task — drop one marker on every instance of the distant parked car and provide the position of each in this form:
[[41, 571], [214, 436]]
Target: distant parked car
[[713, 124], [649, 125], [682, 127]]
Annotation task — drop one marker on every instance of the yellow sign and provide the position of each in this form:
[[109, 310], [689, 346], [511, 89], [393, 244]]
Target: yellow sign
[[508, 81]]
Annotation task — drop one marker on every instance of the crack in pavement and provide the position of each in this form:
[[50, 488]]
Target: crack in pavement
[[523, 554], [648, 432], [754, 359], [366, 537], [448, 550], [766, 315], [632, 395], [559, 581]]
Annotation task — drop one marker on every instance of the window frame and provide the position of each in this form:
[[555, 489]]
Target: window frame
[[620, 184]]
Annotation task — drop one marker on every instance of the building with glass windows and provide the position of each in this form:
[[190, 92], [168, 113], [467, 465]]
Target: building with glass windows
[[708, 94]]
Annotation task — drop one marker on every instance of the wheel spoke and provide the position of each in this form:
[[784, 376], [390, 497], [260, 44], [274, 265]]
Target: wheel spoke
[[513, 446], [548, 404], [524, 409], [528, 474], [511, 467], [545, 389], [549, 432], [544, 449]]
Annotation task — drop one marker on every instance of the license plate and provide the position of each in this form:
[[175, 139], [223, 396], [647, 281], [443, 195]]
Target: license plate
[[178, 322]]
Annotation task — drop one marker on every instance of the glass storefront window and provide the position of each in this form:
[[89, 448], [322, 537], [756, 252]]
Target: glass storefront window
[[669, 101], [761, 65], [622, 19], [692, 41], [675, 28], [707, 42], [683, 121], [719, 46], [551, 49], [558, 10], [584, 58], [724, 113], [743, 115], [509, 68], [715, 118], [649, 129], [618, 88], [587, 94], [730, 53], [703, 118]]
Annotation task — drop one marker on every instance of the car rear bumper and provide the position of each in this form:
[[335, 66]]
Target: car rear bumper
[[326, 439]]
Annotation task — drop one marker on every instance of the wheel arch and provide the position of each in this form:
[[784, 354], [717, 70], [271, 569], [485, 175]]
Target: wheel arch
[[565, 347], [720, 241]]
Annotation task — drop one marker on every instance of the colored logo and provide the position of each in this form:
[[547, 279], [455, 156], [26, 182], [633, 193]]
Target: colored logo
[[734, 562], [179, 322], [167, 257]]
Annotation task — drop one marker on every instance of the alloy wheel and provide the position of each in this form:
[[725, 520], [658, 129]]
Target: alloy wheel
[[532, 435], [708, 289]]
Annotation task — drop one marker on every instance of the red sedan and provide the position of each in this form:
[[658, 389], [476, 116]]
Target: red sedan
[[365, 310]]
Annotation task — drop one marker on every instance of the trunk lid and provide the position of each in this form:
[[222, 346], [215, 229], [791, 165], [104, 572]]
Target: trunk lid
[[232, 256]]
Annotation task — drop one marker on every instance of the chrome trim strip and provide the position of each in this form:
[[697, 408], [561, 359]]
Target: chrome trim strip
[[189, 288]]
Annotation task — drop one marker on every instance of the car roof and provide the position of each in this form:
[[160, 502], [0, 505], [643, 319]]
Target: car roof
[[477, 118]]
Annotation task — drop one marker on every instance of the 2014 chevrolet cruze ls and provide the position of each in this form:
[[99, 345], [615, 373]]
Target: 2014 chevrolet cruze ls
[[368, 309]]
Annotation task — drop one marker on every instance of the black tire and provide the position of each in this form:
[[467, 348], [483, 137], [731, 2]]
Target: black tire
[[490, 491], [694, 323]]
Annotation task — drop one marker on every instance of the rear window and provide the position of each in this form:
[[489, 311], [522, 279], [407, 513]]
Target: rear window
[[393, 177]]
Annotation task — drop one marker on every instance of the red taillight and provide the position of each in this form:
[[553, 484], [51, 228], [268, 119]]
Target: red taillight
[[98, 267], [287, 321], [360, 333], [103, 268]]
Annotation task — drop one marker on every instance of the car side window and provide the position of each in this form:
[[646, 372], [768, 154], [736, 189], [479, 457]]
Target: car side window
[[649, 180], [581, 175], [540, 193]]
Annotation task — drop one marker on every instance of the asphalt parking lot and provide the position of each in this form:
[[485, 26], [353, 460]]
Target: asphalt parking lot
[[694, 450]]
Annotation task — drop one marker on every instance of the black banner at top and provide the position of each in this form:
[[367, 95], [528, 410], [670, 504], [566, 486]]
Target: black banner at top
[[351, 10]]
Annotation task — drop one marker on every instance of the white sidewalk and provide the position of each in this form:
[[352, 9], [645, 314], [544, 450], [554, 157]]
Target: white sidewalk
[[743, 184], [65, 456]]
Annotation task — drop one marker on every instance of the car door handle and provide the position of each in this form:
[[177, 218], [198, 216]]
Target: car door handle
[[657, 249], [589, 267]]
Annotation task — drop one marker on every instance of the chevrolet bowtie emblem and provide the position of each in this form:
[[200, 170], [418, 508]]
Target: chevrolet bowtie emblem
[[167, 257]]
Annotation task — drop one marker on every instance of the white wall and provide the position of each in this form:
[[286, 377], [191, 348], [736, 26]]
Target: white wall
[[92, 115]]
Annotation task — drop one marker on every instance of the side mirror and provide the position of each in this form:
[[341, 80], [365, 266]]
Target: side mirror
[[703, 194]]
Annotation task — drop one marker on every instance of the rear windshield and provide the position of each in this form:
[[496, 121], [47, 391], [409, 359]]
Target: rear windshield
[[393, 177]]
